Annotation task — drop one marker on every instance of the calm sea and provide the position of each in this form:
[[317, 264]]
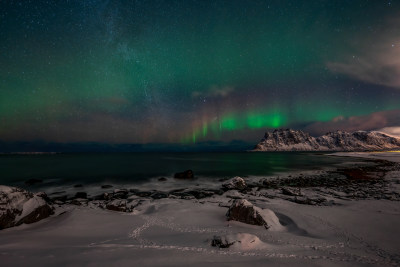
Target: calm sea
[[136, 168]]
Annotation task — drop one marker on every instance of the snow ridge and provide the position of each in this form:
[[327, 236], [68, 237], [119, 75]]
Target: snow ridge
[[296, 140]]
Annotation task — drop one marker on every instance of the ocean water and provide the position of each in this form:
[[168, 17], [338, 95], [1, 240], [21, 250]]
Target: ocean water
[[138, 168]]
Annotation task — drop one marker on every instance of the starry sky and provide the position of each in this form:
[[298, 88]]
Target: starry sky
[[194, 71]]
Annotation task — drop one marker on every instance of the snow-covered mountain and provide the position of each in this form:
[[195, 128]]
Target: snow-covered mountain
[[294, 140]]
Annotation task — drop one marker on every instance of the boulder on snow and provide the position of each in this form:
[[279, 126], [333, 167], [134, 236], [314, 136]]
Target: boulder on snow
[[117, 205], [237, 183], [238, 242], [188, 174], [18, 206], [243, 211]]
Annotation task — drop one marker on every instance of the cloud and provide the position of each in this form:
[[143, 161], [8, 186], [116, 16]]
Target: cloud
[[377, 60], [392, 131], [373, 69], [373, 121], [215, 91]]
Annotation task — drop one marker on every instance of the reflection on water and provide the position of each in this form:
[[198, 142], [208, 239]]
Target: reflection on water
[[139, 167]]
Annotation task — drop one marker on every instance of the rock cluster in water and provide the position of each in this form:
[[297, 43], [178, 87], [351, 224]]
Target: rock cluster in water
[[378, 181], [324, 188]]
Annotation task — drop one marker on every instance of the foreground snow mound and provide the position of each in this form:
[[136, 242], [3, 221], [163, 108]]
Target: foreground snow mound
[[18, 206], [239, 242], [237, 183], [243, 211], [292, 140]]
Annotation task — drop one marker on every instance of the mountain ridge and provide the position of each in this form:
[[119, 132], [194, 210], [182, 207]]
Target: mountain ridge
[[297, 140]]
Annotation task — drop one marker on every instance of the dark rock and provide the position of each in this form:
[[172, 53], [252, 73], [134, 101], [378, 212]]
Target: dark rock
[[159, 195], [33, 181], [221, 242], [18, 206], [76, 202], [177, 191], [80, 195], [217, 191], [58, 193], [188, 174], [291, 191], [105, 186], [309, 201], [43, 195], [120, 195], [270, 184], [190, 194], [162, 179], [199, 194], [78, 185], [143, 193], [117, 205], [117, 194], [107, 196], [100, 197]]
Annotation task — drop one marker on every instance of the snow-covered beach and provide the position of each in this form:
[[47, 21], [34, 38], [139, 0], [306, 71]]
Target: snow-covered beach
[[333, 223]]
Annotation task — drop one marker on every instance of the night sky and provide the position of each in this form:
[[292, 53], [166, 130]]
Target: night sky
[[194, 71]]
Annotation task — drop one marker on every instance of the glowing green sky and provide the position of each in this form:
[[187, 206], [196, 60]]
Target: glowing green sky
[[186, 71]]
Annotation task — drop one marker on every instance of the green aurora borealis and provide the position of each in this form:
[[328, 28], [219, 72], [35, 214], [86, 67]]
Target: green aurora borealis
[[192, 71]]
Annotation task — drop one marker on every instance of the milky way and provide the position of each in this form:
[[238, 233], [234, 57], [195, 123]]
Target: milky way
[[193, 71]]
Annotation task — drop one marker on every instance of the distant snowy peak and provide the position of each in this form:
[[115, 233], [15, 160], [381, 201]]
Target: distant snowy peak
[[295, 140]]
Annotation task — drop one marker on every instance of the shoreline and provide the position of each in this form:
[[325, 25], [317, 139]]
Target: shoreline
[[393, 156], [335, 218], [167, 182]]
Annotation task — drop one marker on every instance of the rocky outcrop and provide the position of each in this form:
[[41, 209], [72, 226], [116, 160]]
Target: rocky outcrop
[[358, 141], [236, 183], [194, 194], [117, 205], [292, 140], [18, 206], [243, 211]]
